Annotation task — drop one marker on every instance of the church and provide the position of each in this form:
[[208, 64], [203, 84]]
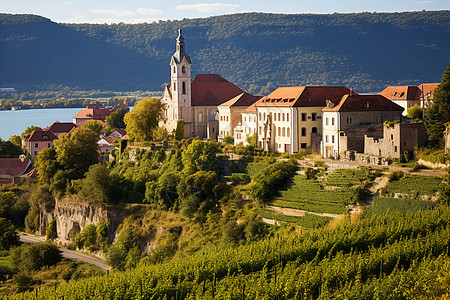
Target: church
[[194, 101]]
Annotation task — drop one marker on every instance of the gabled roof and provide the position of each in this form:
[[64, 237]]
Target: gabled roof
[[365, 103], [95, 105], [250, 110], [39, 136], [212, 90], [93, 113], [303, 96], [244, 99], [406, 92], [108, 139], [14, 166], [58, 127], [428, 89], [122, 132]]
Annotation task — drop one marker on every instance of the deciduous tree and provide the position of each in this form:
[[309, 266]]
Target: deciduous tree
[[115, 119], [144, 118]]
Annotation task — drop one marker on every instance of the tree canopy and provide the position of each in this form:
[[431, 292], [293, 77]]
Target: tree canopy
[[144, 118], [9, 150], [115, 119], [438, 113]]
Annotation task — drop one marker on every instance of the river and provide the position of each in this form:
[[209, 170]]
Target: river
[[14, 122]]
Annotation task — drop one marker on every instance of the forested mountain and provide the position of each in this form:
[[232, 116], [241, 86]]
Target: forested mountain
[[256, 51]]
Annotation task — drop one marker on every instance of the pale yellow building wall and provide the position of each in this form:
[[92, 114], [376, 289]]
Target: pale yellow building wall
[[308, 124]]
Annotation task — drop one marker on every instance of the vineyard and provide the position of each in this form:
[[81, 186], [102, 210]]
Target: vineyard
[[383, 204], [330, 194], [401, 255], [414, 184], [307, 221]]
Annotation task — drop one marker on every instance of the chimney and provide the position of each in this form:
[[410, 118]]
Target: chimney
[[22, 157]]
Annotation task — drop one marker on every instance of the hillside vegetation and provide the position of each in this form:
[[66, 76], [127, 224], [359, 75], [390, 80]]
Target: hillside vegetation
[[256, 51]]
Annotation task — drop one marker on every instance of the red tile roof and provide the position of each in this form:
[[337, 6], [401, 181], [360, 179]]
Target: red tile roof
[[428, 89], [365, 103], [303, 96], [244, 99], [212, 90], [406, 92], [108, 139], [93, 113], [59, 127], [40, 135], [122, 132], [14, 166], [95, 105]]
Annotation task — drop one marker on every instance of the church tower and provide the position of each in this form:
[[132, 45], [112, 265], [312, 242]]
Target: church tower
[[180, 68]]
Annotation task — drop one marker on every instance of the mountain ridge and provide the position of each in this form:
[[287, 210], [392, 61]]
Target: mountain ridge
[[256, 51]]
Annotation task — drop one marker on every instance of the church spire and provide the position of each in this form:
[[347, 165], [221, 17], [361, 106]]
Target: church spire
[[180, 53]]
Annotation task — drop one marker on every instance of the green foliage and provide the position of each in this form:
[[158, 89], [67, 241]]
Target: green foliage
[[144, 118], [8, 235], [179, 131], [35, 256], [415, 113], [50, 231], [160, 134], [438, 113], [252, 140], [16, 140], [94, 126], [390, 124], [434, 155], [9, 150], [163, 192], [100, 186], [414, 184], [116, 257], [200, 156], [199, 193], [266, 183], [47, 165], [115, 119], [228, 139], [306, 221], [382, 205], [76, 151], [395, 175]]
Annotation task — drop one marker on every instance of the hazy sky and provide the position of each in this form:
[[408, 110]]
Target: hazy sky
[[138, 11]]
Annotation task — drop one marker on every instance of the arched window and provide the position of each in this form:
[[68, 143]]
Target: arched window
[[314, 130], [288, 132], [200, 117], [183, 69], [303, 131], [183, 89], [284, 132]]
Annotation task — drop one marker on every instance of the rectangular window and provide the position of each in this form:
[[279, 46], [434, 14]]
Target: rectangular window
[[326, 121], [49, 145], [332, 121], [274, 117], [287, 117], [332, 139], [303, 145], [283, 117], [36, 145], [35, 153], [326, 139], [313, 116], [303, 117]]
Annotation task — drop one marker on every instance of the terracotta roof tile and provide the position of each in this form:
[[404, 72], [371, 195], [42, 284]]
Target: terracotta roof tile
[[365, 103], [40, 135], [303, 96], [93, 113], [244, 99], [250, 110], [58, 127], [212, 90], [406, 92], [428, 89], [81, 124], [14, 166]]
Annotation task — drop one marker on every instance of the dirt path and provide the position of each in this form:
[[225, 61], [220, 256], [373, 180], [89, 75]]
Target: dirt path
[[298, 212]]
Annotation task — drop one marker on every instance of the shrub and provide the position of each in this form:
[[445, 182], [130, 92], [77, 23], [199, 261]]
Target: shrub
[[228, 139], [395, 175], [51, 230]]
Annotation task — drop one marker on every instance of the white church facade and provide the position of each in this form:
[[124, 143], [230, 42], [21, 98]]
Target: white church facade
[[194, 101]]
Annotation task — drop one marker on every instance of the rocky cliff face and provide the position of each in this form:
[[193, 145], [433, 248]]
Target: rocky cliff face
[[73, 214]]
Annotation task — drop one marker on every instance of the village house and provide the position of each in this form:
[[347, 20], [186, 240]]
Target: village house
[[409, 95], [38, 140], [230, 114], [119, 133], [100, 122], [95, 111], [58, 128], [194, 101], [353, 117], [13, 168], [105, 143], [290, 118]]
